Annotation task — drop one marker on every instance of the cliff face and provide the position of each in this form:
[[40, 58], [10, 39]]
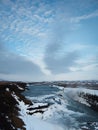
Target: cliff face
[[9, 111], [91, 99]]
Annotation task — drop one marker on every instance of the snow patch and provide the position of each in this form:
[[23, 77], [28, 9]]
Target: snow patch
[[31, 122], [20, 87], [74, 93], [7, 89]]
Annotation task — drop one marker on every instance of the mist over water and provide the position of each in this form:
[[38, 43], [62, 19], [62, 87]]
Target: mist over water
[[64, 109]]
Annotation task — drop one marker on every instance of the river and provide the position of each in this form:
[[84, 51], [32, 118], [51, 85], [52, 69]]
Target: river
[[65, 107]]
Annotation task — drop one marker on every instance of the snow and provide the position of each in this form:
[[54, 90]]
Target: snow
[[57, 116], [57, 112], [58, 105], [7, 89], [59, 87], [89, 91], [85, 127], [75, 92], [20, 87], [39, 104], [78, 90], [31, 122]]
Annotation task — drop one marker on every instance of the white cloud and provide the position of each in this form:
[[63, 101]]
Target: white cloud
[[24, 20], [84, 17], [54, 62], [27, 26]]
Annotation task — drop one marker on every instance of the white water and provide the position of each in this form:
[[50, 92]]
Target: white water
[[66, 109]]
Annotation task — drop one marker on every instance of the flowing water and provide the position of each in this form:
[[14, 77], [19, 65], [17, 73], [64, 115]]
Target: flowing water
[[64, 109]]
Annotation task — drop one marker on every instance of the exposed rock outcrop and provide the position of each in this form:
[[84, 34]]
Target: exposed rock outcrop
[[9, 111]]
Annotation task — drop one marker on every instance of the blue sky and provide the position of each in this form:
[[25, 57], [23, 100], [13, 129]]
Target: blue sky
[[48, 39]]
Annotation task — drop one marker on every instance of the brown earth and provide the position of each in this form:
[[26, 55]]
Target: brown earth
[[9, 111]]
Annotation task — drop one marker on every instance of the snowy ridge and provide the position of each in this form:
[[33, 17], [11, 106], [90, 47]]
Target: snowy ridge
[[79, 93]]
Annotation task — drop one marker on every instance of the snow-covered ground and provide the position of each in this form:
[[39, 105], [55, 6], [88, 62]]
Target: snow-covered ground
[[74, 93]]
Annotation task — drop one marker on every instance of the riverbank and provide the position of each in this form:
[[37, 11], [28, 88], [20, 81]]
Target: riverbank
[[9, 110], [16, 111]]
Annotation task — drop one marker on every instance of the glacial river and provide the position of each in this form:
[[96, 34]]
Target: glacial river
[[66, 109]]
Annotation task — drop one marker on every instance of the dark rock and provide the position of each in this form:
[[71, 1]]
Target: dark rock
[[9, 111]]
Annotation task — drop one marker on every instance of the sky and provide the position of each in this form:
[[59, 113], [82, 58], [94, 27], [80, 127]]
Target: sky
[[44, 40]]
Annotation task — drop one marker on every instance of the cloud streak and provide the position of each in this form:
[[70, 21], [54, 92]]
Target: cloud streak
[[84, 17], [61, 65], [55, 61]]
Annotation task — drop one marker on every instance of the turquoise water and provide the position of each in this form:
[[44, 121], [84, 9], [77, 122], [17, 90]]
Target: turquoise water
[[82, 115], [39, 90]]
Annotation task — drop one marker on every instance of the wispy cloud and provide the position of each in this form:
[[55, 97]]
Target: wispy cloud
[[84, 17], [24, 19]]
